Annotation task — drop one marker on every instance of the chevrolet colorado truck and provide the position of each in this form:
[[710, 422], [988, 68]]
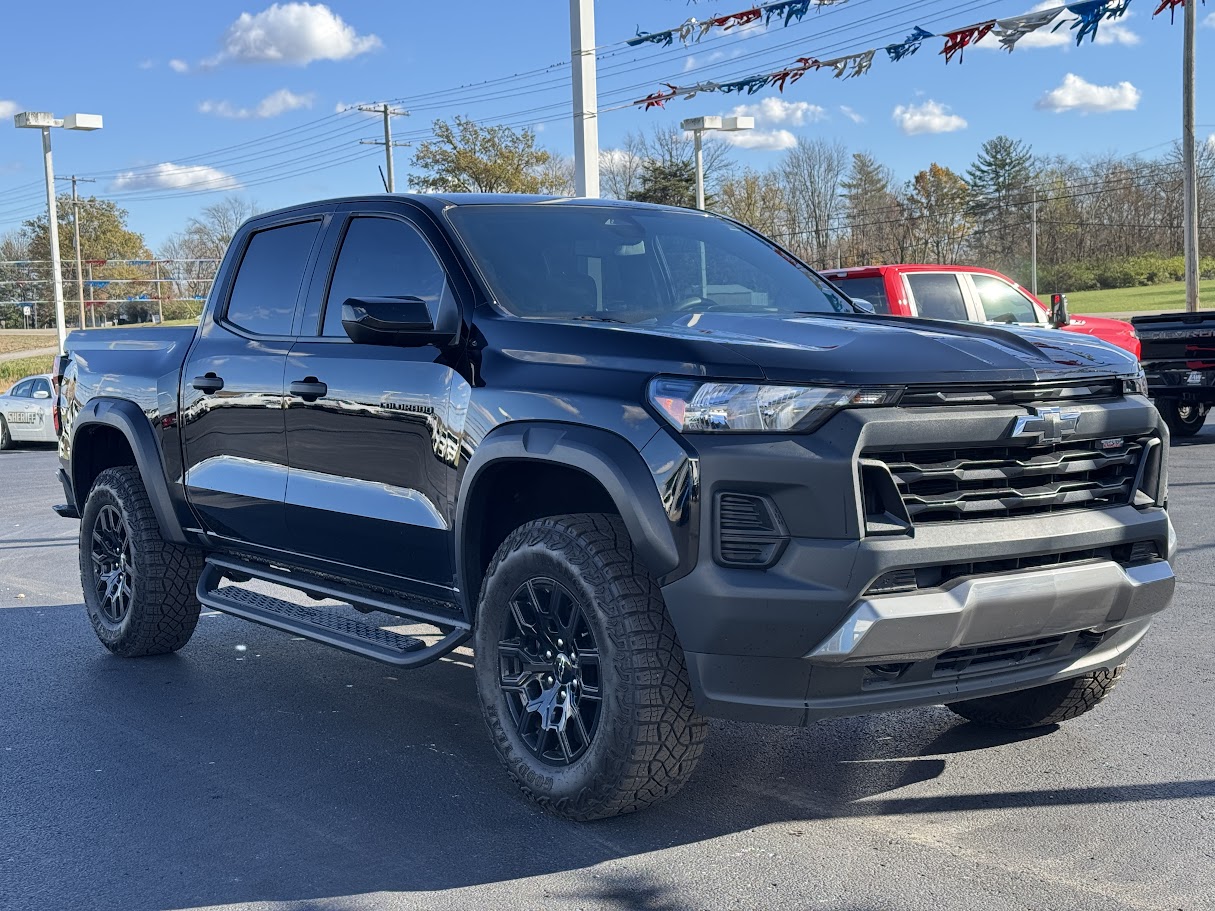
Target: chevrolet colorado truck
[[645, 462], [1179, 360], [971, 293]]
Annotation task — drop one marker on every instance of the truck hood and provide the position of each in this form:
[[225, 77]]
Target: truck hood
[[875, 350]]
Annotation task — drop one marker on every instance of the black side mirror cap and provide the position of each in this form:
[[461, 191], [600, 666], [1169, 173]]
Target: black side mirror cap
[[401, 321], [863, 305], [1058, 310]]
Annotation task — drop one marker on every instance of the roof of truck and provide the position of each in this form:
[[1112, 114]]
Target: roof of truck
[[439, 201]]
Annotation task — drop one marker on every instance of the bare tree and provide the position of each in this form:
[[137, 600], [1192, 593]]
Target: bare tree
[[812, 172], [755, 199], [667, 149]]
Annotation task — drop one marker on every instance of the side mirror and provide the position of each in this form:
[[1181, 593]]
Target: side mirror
[[1058, 310], [42, 394], [401, 321], [863, 305]]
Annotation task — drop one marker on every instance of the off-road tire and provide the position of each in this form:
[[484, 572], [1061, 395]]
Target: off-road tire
[[163, 609], [6, 438], [1185, 419], [649, 736], [1042, 706]]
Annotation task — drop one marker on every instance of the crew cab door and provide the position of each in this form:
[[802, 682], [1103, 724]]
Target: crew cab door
[[999, 301], [374, 431], [940, 295], [233, 431]]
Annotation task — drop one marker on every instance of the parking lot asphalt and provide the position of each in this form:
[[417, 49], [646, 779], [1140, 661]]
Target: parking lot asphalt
[[252, 770]]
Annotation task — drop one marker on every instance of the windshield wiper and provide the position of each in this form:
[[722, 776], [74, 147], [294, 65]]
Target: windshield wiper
[[596, 318]]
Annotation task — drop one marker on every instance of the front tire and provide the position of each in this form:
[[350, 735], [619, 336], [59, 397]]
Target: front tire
[[1185, 419], [581, 677], [1042, 706], [6, 439], [139, 589]]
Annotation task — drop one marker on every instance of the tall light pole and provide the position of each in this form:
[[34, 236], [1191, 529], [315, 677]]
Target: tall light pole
[[697, 127], [1189, 159], [586, 114], [45, 121]]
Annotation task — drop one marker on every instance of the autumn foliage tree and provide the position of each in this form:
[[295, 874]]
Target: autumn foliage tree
[[467, 157]]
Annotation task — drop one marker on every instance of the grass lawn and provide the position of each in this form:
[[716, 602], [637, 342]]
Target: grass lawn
[[31, 342], [11, 371], [1131, 300]]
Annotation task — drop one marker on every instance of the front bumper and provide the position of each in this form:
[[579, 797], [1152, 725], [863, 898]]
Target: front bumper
[[805, 638]]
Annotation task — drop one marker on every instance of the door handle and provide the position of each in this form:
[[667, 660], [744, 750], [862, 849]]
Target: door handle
[[309, 389], [209, 383]]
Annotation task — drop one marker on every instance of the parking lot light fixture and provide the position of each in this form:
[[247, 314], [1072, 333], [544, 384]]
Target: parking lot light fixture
[[46, 121], [697, 126]]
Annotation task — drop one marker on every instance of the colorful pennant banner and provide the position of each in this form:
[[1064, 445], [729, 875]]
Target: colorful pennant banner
[[785, 12], [1086, 17]]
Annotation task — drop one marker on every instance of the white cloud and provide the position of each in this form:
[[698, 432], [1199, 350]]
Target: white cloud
[[147, 64], [1209, 21], [294, 33], [773, 110], [9, 108], [178, 66], [169, 176], [851, 114], [272, 105], [929, 117], [1076, 94], [762, 140], [694, 62]]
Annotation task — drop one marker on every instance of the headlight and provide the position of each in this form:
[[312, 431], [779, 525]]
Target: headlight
[[695, 407], [1135, 385]]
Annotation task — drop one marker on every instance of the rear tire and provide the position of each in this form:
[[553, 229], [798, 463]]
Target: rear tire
[[1185, 419], [606, 725], [1042, 706], [139, 589]]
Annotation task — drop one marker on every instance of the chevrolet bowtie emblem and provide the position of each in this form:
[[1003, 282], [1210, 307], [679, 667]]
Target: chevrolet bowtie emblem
[[1047, 425]]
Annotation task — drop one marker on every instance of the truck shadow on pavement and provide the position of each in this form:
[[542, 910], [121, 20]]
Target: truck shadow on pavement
[[254, 767]]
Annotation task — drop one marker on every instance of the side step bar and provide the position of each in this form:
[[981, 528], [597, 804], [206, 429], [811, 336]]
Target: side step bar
[[322, 624]]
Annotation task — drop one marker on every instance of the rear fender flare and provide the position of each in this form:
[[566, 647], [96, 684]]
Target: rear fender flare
[[127, 418]]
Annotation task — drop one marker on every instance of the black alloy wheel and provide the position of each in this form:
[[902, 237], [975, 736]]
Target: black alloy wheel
[[548, 670], [112, 565]]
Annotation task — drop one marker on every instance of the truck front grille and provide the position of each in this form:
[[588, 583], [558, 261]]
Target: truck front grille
[[998, 482]]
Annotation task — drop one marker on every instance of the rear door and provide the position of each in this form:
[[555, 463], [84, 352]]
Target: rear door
[[233, 430], [375, 442], [939, 295]]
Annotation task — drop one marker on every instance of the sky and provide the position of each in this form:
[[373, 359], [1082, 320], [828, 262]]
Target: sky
[[207, 99]]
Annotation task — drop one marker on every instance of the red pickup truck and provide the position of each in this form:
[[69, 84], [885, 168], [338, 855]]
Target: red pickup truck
[[969, 293]]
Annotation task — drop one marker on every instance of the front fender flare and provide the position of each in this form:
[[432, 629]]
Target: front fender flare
[[607, 457], [127, 418]]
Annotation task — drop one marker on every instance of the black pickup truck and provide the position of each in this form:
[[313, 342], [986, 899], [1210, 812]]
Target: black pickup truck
[[650, 466], [1178, 356]]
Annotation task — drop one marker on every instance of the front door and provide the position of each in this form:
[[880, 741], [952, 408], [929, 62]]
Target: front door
[[233, 430], [373, 431]]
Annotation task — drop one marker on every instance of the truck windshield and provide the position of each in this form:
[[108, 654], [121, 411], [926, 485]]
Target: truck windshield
[[633, 265]]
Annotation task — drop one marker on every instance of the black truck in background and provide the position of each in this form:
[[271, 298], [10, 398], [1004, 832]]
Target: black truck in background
[[649, 465], [1178, 357]]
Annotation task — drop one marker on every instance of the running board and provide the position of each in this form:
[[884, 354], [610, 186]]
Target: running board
[[319, 624]]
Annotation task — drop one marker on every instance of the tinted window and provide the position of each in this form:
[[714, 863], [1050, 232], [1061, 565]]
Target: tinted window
[[41, 385], [383, 257], [634, 265], [937, 295], [1002, 302], [268, 280], [23, 390], [872, 289]]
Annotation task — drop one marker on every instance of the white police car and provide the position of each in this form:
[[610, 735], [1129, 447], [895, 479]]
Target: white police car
[[26, 412]]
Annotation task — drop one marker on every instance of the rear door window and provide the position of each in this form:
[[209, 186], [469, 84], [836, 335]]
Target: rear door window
[[383, 257], [268, 281], [23, 390], [870, 288], [938, 295], [41, 385], [1002, 303]]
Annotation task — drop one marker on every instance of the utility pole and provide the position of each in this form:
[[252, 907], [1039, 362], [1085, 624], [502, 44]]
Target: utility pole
[[1033, 241], [76, 232], [1189, 158], [586, 114], [387, 142]]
